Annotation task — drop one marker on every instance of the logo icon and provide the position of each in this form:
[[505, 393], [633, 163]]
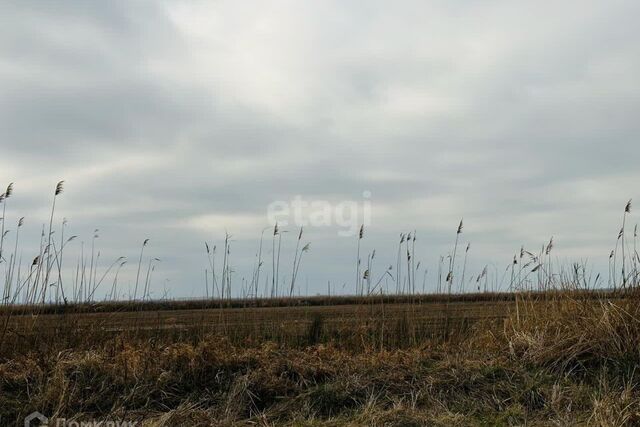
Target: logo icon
[[30, 420]]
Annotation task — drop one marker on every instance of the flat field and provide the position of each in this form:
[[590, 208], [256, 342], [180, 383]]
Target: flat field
[[286, 323], [545, 359]]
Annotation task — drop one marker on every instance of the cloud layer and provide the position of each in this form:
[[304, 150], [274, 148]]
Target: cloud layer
[[177, 121]]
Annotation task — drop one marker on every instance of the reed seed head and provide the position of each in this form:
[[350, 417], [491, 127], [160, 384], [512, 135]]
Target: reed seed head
[[59, 187]]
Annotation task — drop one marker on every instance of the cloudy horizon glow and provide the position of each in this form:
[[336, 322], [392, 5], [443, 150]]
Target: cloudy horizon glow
[[180, 121]]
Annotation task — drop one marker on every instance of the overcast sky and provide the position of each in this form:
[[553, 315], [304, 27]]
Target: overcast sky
[[176, 121]]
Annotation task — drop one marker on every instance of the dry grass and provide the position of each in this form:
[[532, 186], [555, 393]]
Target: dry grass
[[567, 333], [566, 361]]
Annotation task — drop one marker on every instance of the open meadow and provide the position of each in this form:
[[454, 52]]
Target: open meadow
[[556, 348], [558, 358]]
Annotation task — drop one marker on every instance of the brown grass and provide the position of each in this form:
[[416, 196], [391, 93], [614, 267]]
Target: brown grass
[[562, 361]]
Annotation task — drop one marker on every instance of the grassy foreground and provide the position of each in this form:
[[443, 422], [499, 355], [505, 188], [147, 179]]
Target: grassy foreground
[[564, 361]]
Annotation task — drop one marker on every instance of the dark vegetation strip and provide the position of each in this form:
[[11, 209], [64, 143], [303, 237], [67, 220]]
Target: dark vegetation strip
[[309, 301]]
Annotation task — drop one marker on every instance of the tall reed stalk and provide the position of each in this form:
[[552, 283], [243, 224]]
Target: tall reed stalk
[[635, 256], [273, 261], [408, 287], [56, 193], [360, 236], [398, 272], [452, 260], [464, 267], [12, 266], [114, 287], [295, 259], [3, 199], [135, 291], [413, 261], [627, 210], [257, 284], [304, 249]]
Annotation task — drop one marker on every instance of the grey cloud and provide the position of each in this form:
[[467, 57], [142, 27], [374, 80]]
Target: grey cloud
[[514, 117]]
